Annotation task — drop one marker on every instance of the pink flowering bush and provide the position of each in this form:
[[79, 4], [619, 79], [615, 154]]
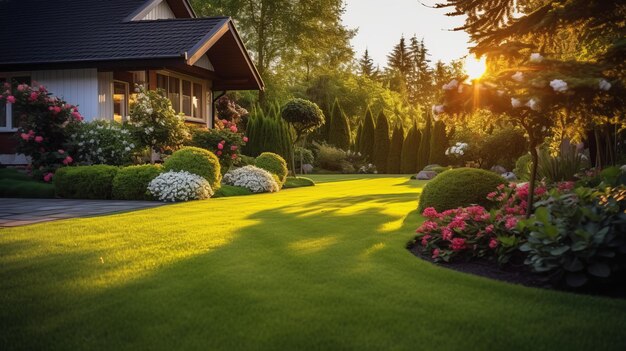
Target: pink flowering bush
[[42, 121], [225, 141]]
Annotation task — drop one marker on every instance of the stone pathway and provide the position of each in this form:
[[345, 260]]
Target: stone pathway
[[17, 212]]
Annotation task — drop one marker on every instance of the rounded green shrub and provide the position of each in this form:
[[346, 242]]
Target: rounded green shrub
[[197, 161], [85, 182], [131, 183], [459, 187], [274, 164], [522, 167]]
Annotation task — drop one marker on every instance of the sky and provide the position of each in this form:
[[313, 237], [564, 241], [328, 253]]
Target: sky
[[382, 23]]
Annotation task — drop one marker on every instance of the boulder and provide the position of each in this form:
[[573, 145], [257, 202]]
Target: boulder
[[307, 168], [510, 176], [426, 175], [498, 169]]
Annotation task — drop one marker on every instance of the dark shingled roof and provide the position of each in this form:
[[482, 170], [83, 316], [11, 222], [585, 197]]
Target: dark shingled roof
[[49, 31]]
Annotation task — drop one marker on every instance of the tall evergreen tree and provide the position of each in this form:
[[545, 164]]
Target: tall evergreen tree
[[438, 144], [399, 67], [339, 133], [410, 148], [366, 66], [395, 151], [367, 137], [420, 79], [381, 143], [424, 151], [357, 140]]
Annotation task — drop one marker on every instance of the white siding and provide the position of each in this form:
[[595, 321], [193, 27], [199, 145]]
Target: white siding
[[76, 86], [105, 95], [161, 11]]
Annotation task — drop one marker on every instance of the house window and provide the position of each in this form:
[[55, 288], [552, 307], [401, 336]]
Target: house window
[[8, 118], [187, 94], [120, 101]]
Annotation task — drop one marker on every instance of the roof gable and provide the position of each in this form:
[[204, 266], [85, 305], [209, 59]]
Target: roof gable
[[162, 9]]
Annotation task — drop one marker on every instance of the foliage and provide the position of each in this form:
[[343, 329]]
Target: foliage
[[381, 143], [503, 147], [85, 182], [438, 144], [579, 236], [366, 66], [255, 179], [17, 184], [563, 167], [339, 129], [225, 141], [154, 121], [459, 187], [131, 183], [367, 137], [102, 142], [268, 133], [175, 186], [228, 110], [410, 147], [42, 120], [522, 167], [228, 190], [423, 154], [332, 159], [394, 159], [303, 115], [196, 161], [298, 182], [274, 164], [303, 156]]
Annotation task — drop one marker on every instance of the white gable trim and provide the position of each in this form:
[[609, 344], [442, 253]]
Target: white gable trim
[[160, 11]]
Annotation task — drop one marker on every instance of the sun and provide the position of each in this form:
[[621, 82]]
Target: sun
[[475, 68]]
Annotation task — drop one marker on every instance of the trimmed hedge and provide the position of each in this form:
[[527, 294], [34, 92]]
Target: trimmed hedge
[[131, 183], [197, 161], [274, 164], [230, 190], [459, 187], [85, 182], [298, 182]]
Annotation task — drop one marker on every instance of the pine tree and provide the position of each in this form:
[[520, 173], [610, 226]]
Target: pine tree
[[339, 133], [399, 67], [438, 144], [381, 143], [395, 151], [410, 148], [367, 137], [366, 66], [424, 151]]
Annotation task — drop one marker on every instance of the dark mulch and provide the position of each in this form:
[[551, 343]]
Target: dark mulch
[[518, 273]]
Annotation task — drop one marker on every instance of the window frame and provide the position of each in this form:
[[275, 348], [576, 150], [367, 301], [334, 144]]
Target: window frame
[[192, 80], [8, 76], [126, 98]]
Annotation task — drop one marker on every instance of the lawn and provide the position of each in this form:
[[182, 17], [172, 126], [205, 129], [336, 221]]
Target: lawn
[[317, 268]]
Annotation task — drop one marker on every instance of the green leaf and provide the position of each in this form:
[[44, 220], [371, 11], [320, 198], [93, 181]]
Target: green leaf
[[525, 247], [576, 280], [543, 215], [559, 250], [574, 265], [601, 270], [579, 246]]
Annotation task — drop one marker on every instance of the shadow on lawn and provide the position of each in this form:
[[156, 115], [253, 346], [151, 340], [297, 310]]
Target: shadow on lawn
[[320, 276]]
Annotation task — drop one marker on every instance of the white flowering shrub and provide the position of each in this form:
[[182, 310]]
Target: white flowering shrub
[[179, 186], [252, 178], [102, 142], [459, 149], [155, 122]]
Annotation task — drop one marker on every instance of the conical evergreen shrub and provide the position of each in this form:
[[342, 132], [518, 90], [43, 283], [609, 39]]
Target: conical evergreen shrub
[[381, 143], [339, 133], [367, 137], [394, 159], [410, 148], [424, 151], [438, 145]]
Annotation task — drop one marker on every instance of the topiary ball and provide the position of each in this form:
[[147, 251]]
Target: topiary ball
[[131, 183], [196, 161], [274, 164], [459, 187]]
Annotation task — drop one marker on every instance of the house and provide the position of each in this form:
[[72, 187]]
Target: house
[[91, 53]]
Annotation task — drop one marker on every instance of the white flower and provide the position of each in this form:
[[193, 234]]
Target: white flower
[[536, 57], [252, 178], [604, 85], [180, 186], [452, 85], [518, 76], [516, 103], [559, 85], [533, 104], [127, 149], [438, 109]]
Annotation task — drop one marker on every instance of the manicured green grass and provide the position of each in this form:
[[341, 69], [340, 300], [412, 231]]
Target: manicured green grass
[[17, 184], [316, 268]]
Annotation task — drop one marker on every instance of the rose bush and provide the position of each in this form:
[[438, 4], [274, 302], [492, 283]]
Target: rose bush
[[42, 120], [179, 186], [225, 141]]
